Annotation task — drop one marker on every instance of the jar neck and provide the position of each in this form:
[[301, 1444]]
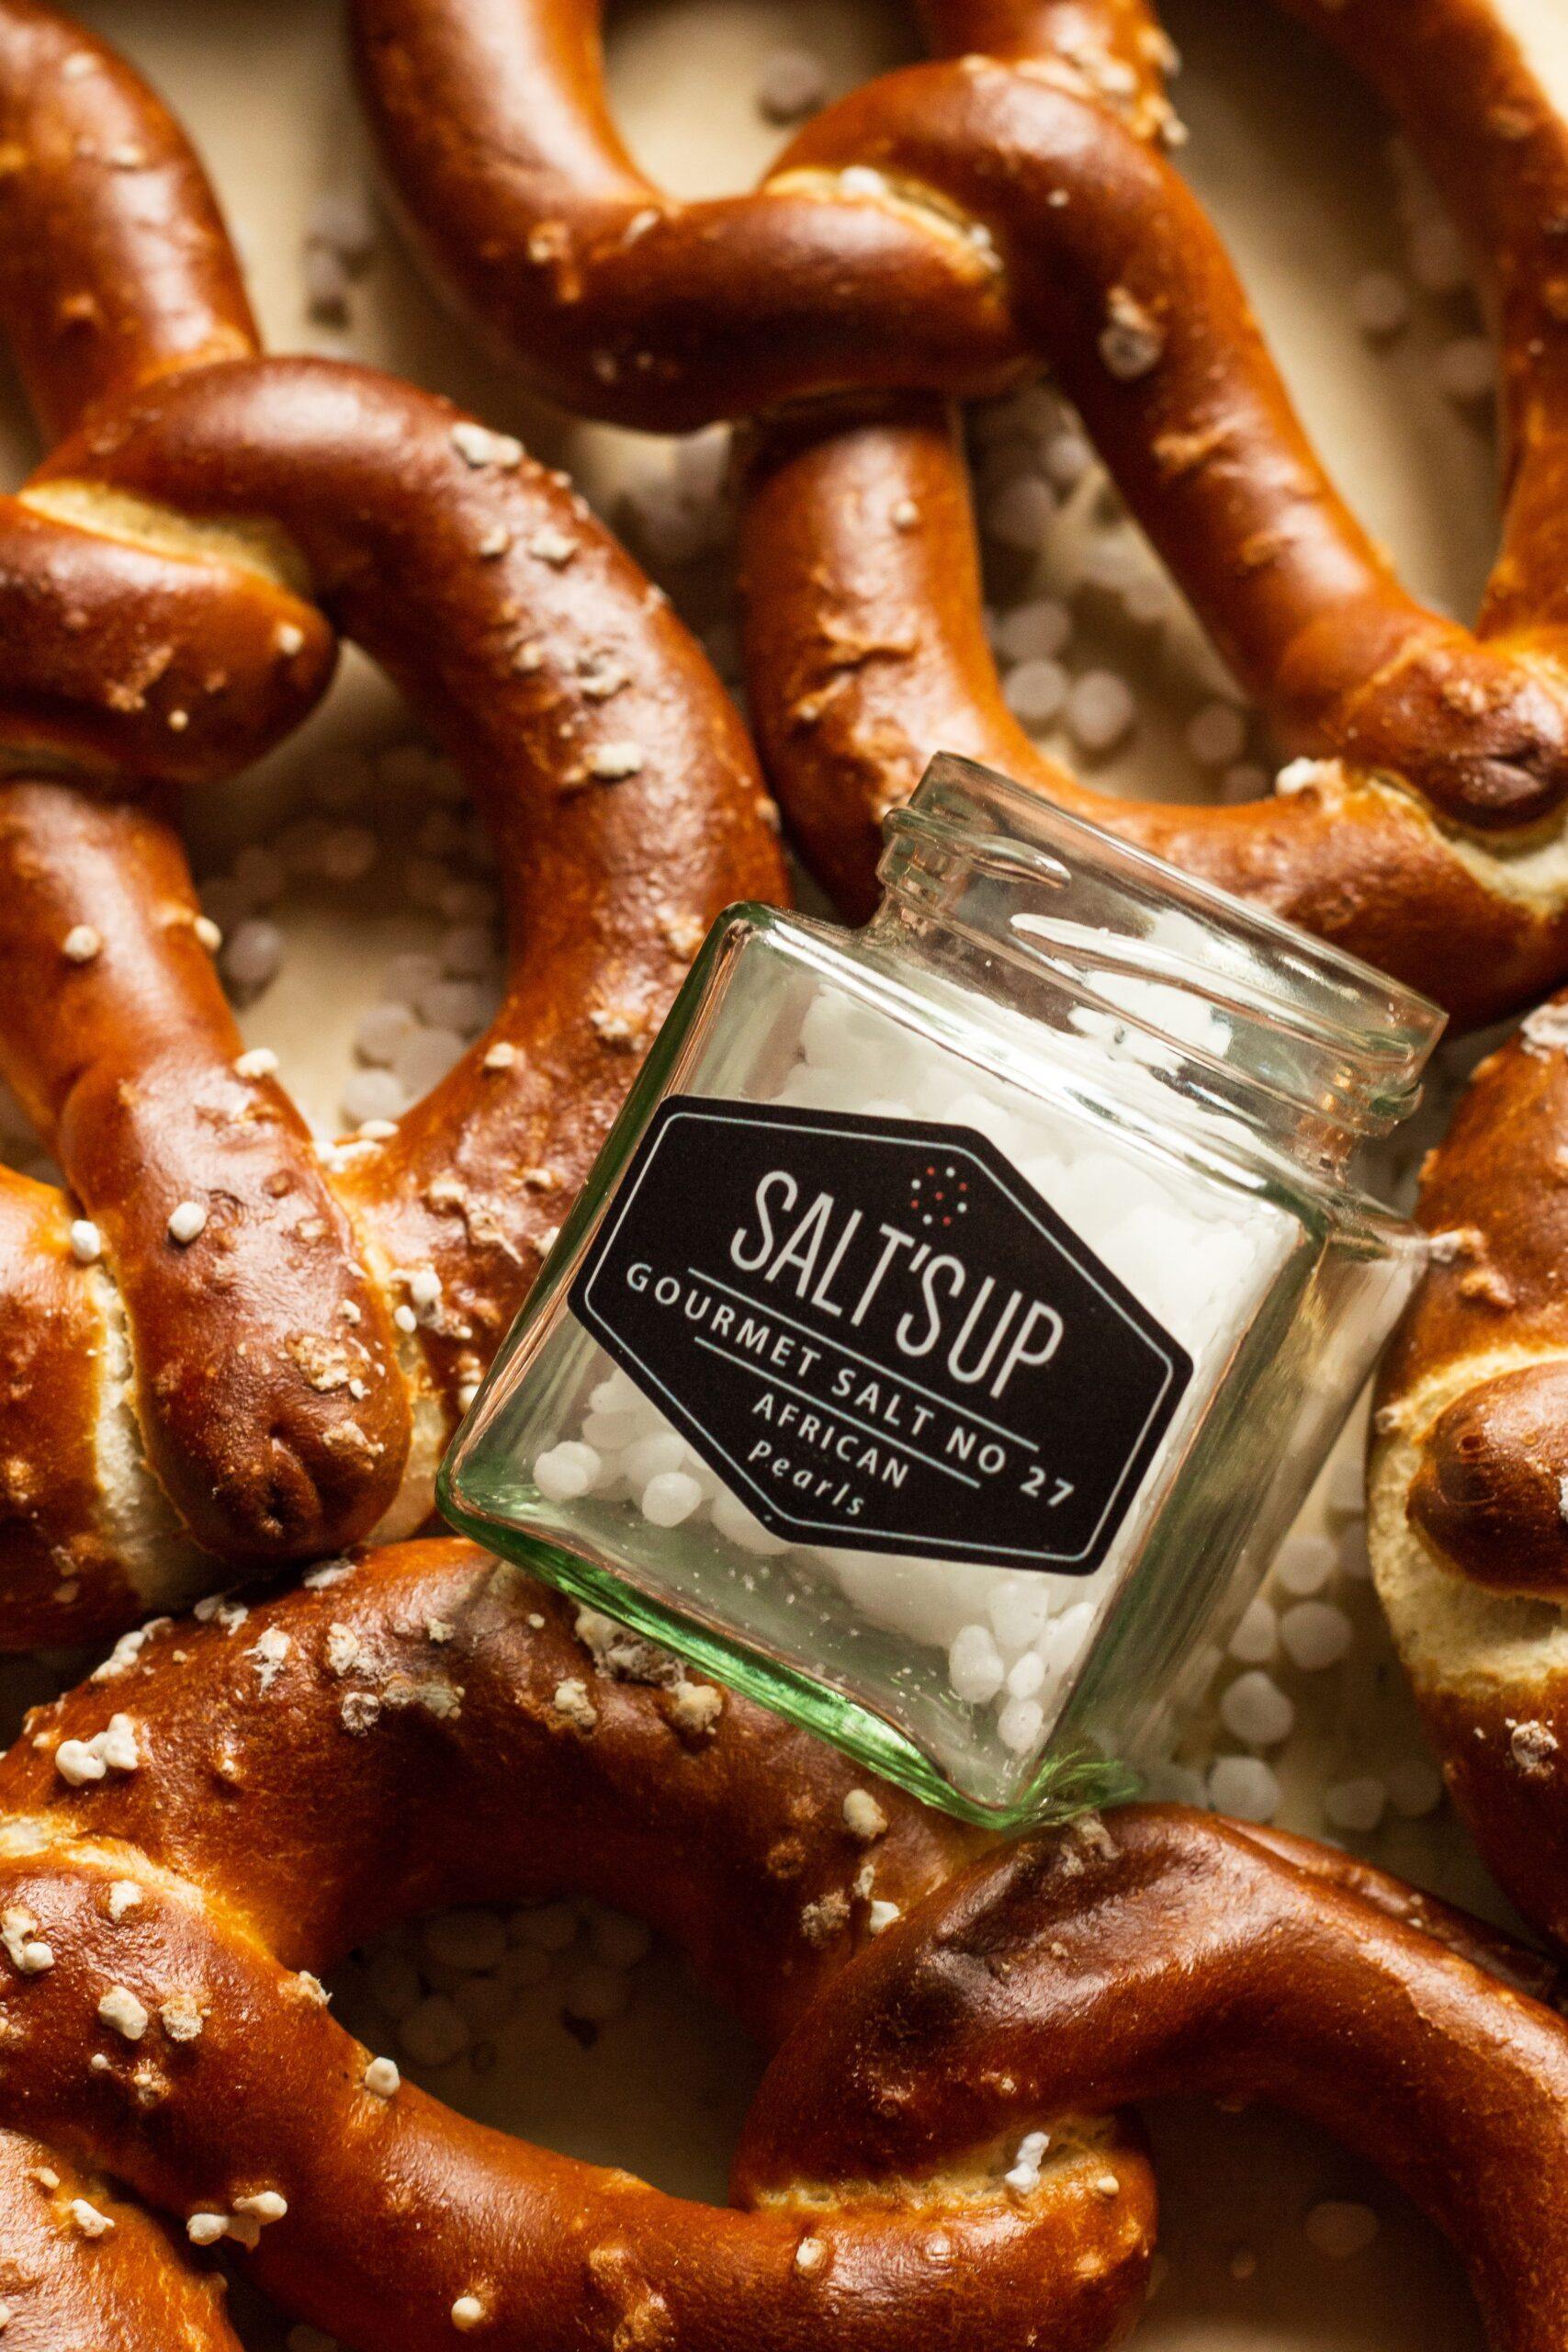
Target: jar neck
[[1241, 1012]]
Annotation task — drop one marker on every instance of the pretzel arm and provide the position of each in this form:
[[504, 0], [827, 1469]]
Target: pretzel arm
[[125, 2289], [1169, 1952], [615, 778], [268, 1391], [472, 1774]]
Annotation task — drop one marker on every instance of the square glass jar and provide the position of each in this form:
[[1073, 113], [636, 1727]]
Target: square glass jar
[[960, 1308]]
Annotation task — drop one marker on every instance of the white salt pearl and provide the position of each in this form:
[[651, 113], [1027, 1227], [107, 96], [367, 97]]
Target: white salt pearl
[[1244, 1786], [1021, 512], [1020, 1724], [381, 1032], [252, 954], [975, 1665], [610, 1430], [1035, 691], [1304, 1563], [1356, 1804], [1028, 1677], [1341, 2230], [1256, 1636], [1100, 710], [372, 1095], [424, 1058], [1216, 734], [1256, 1710], [670, 1498], [650, 1457], [567, 1471], [435, 2033], [1315, 1635], [1415, 1787], [1379, 303], [1019, 1608], [1035, 631]]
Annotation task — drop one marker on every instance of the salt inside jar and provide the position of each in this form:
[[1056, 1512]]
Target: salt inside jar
[[960, 1308]]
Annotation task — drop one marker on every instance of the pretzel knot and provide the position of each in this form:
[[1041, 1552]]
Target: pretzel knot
[[229, 1345], [933, 2158], [941, 232]]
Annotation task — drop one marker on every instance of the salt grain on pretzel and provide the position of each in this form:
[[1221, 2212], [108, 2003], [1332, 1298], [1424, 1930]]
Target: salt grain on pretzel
[[934, 2155], [206, 1351]]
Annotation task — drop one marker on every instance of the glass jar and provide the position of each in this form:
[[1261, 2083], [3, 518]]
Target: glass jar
[[960, 1308]]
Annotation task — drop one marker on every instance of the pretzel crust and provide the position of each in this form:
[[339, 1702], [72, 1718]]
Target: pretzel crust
[[1006, 205], [217, 1360], [484, 1740]]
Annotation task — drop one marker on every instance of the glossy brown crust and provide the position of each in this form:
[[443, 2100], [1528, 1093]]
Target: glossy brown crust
[[483, 1743], [1470, 1460], [60, 1569], [1183, 1953], [151, 630], [116, 269], [125, 2290], [622, 300], [611, 882]]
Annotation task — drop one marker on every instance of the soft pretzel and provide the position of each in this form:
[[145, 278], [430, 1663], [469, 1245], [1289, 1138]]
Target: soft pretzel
[[227, 1347], [938, 232], [484, 1741]]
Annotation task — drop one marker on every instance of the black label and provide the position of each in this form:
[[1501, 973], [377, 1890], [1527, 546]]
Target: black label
[[879, 1335]]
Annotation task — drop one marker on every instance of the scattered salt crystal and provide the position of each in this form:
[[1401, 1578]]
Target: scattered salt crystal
[[1304, 1563], [381, 2078], [1216, 735], [434, 2033], [1034, 631], [253, 954], [1256, 1636], [1021, 514], [1244, 1786], [1100, 710], [1314, 1634], [87, 1241], [1356, 1804], [81, 944], [188, 1220], [1255, 1709], [1415, 1787], [1035, 691], [372, 1095]]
